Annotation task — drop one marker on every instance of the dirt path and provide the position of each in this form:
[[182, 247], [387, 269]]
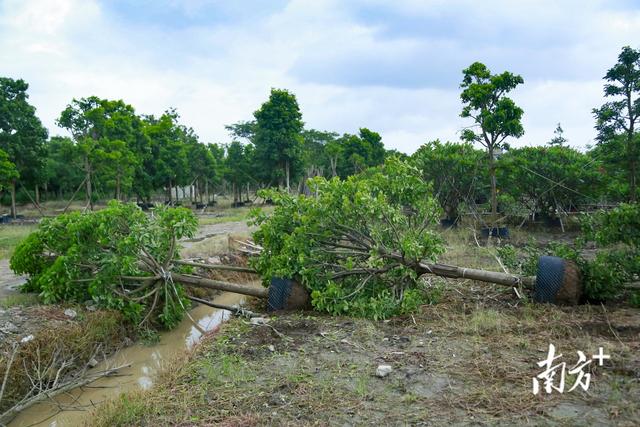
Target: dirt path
[[213, 230], [9, 281]]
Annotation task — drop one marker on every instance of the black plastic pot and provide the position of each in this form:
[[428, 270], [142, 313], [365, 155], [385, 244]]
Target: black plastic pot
[[449, 223], [501, 232]]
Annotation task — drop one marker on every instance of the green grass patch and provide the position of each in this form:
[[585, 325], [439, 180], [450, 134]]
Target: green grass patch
[[10, 236], [21, 300]]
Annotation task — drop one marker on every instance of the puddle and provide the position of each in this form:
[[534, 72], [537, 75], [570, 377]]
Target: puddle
[[73, 408]]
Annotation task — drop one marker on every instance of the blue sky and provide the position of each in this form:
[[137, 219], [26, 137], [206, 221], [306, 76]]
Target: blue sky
[[393, 67]]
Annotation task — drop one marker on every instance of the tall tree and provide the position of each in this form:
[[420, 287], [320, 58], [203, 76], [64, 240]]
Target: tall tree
[[558, 137], [94, 123], [621, 114], [8, 171], [169, 150], [452, 169], [22, 135], [496, 117], [63, 166], [278, 134]]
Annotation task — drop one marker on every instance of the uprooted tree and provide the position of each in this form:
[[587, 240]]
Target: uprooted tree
[[358, 244], [118, 257]]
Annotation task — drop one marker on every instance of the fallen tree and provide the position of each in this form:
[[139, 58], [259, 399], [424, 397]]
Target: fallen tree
[[358, 245], [118, 258]]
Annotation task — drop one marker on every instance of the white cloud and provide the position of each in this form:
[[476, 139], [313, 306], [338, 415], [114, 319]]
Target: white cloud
[[377, 73]]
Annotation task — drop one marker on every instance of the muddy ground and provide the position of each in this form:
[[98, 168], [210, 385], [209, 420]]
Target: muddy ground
[[468, 360]]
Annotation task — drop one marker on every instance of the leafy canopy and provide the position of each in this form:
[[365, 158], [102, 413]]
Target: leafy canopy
[[495, 116], [354, 244], [83, 256]]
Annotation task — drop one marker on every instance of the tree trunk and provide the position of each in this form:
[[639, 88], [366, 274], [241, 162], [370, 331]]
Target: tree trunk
[[191, 193], [334, 166], [13, 199], [118, 187], [87, 169], [206, 189], [177, 197], [235, 193], [37, 195], [248, 192], [169, 187], [286, 174], [631, 154], [494, 193]]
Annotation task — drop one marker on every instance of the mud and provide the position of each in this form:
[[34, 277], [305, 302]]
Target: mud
[[144, 362]]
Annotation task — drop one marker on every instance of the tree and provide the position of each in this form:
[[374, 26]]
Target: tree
[[558, 137], [22, 135], [376, 151], [547, 179], [8, 171], [237, 167], [202, 167], [452, 169], [278, 135], [94, 123], [496, 117], [358, 245], [621, 115], [315, 157], [168, 151], [358, 152], [63, 166]]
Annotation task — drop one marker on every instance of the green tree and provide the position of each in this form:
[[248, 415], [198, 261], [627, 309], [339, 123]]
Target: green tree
[[558, 137], [452, 169], [496, 117], [548, 179], [376, 151], [621, 114], [22, 135], [63, 166], [359, 152], [278, 137], [94, 124], [238, 167], [315, 156], [202, 168], [168, 151], [8, 171]]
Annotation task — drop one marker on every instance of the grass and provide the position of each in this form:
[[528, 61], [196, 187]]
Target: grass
[[19, 300], [10, 236], [60, 339]]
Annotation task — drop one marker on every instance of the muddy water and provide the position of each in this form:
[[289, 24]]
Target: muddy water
[[145, 363]]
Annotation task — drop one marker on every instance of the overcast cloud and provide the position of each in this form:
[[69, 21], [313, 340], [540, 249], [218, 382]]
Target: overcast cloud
[[391, 66]]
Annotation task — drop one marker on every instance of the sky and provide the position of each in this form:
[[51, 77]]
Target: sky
[[392, 66]]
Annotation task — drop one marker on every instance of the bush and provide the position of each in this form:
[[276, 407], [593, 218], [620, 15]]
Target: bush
[[617, 261]]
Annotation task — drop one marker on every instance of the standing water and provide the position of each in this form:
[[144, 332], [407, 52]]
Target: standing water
[[144, 362]]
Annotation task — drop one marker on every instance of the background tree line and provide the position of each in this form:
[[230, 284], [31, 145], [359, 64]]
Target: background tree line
[[114, 152]]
